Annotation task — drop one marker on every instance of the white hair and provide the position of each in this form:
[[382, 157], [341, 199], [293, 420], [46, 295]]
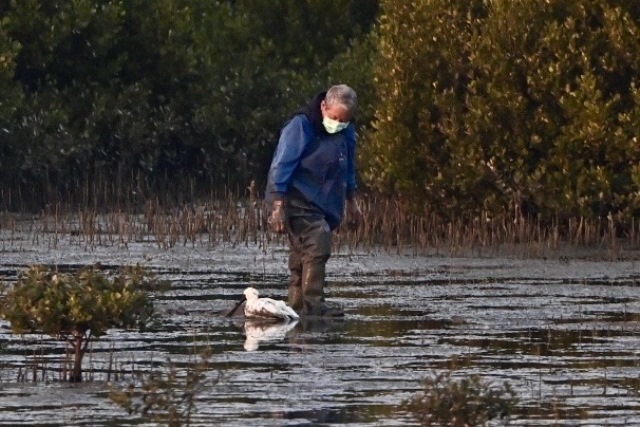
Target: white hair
[[342, 95]]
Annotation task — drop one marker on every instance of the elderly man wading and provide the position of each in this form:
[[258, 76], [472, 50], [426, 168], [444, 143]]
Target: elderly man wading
[[312, 175]]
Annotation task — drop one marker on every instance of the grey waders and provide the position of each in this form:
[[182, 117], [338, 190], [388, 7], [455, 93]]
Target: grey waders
[[306, 292], [310, 248], [295, 289], [313, 293]]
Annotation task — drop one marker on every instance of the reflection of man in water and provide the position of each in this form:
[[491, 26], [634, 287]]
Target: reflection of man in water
[[311, 178]]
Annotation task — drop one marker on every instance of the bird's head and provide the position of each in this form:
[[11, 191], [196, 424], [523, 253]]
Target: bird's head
[[251, 293]]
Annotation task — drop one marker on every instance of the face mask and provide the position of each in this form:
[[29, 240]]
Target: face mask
[[333, 126]]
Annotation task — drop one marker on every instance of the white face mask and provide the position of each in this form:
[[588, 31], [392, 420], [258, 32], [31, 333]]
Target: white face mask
[[333, 126]]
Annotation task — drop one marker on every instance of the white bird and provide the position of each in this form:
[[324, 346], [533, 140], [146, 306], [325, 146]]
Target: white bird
[[266, 308]]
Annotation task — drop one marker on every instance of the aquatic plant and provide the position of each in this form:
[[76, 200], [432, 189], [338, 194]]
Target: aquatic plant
[[469, 401], [76, 307], [168, 397]]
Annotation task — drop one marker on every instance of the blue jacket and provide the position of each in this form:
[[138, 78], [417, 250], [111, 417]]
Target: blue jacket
[[315, 165]]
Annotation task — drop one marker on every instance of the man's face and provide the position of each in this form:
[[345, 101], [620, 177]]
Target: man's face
[[335, 112]]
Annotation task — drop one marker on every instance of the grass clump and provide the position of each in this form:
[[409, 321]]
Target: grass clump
[[168, 397], [465, 402]]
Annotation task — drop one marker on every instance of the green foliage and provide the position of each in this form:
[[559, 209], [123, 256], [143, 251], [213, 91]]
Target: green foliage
[[557, 104], [465, 106], [469, 401], [325, 28], [355, 66], [9, 51], [157, 96], [485, 105], [77, 307], [419, 57], [10, 98], [85, 302]]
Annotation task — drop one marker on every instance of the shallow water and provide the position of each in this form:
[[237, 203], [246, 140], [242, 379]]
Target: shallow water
[[565, 333]]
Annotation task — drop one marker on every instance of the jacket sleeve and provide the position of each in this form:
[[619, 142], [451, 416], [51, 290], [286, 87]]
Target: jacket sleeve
[[293, 141], [351, 163]]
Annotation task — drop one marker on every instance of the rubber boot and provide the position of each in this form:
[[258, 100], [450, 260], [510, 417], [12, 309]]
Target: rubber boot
[[295, 291], [313, 279], [295, 280]]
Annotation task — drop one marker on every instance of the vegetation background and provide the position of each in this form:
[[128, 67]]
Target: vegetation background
[[468, 108]]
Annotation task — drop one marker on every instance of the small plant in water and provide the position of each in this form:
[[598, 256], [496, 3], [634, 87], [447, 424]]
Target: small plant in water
[[166, 397], [465, 402], [76, 307]]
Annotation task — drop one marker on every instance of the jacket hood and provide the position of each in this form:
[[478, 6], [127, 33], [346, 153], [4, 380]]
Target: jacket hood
[[314, 114]]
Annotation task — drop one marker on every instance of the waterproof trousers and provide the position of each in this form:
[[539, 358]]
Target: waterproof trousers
[[310, 248]]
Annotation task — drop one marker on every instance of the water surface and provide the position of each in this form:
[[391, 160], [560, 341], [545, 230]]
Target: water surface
[[564, 332]]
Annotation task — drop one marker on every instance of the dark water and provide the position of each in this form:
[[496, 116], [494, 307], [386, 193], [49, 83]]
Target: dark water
[[564, 333]]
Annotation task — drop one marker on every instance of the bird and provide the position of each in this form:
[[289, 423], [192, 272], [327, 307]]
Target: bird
[[266, 308]]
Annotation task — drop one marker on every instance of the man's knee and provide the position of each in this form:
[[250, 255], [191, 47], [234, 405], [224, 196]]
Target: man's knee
[[319, 241]]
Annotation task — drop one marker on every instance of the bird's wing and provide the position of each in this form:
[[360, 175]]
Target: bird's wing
[[264, 307], [290, 312]]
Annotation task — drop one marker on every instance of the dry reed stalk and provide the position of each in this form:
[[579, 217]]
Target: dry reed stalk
[[388, 225], [34, 368], [110, 364]]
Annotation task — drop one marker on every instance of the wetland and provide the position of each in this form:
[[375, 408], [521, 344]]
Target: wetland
[[562, 330]]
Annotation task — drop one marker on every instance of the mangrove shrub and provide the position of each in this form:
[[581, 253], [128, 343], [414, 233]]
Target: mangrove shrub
[[111, 100], [76, 307], [461, 402], [497, 105]]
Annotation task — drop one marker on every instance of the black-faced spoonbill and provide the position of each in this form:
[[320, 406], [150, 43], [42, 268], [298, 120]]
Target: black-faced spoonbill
[[266, 308]]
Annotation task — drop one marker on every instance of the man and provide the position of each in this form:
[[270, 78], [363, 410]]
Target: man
[[311, 177]]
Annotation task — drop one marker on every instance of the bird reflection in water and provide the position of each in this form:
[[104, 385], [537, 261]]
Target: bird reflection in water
[[258, 332], [297, 332]]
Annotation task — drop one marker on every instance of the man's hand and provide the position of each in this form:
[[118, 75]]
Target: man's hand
[[354, 215], [278, 218]]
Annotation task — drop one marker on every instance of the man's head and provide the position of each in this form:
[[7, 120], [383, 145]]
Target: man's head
[[338, 107]]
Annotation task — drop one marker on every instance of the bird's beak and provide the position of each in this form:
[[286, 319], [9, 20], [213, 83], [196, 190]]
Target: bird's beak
[[235, 307]]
